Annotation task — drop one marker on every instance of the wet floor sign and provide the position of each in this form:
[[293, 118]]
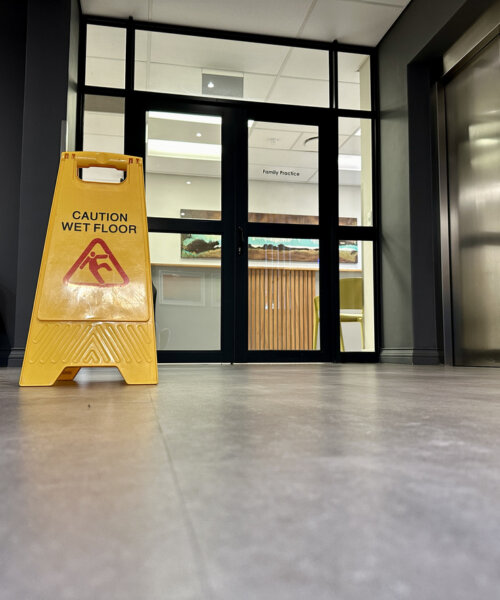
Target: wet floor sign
[[93, 305]]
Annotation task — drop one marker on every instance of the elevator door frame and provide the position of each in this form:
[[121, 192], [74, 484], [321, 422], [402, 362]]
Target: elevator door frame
[[449, 300]]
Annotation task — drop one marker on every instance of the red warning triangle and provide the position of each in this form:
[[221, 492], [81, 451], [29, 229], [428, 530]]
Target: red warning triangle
[[96, 266]]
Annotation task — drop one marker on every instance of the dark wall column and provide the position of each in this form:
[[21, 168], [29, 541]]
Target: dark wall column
[[47, 68], [12, 49], [424, 215]]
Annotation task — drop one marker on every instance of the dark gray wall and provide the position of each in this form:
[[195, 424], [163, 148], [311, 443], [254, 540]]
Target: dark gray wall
[[12, 49], [38, 58], [409, 63], [74, 40]]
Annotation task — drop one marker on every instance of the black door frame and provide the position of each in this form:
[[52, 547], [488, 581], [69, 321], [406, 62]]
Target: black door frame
[[234, 206], [325, 232], [330, 230]]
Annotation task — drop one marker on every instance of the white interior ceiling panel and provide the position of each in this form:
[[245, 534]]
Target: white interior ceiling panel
[[347, 125], [267, 138], [119, 9], [351, 146], [103, 143], [307, 142], [279, 17], [106, 42], [289, 158], [285, 126], [257, 87], [349, 66], [104, 123], [183, 166], [183, 131], [173, 79], [307, 64], [211, 53], [107, 72], [361, 22], [288, 90], [350, 22]]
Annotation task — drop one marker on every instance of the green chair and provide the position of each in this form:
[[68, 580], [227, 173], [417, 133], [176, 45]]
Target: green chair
[[351, 298], [316, 322]]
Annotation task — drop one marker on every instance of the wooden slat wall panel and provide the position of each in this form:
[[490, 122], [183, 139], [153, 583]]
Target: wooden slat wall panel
[[281, 309]]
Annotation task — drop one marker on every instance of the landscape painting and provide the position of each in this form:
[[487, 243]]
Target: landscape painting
[[207, 246], [200, 245], [283, 249], [348, 252]]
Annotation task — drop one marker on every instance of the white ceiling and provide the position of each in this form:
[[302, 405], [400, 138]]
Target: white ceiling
[[174, 63], [277, 152], [349, 21]]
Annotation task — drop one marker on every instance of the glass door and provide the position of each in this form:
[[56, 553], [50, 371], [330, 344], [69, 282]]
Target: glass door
[[190, 226], [183, 193], [282, 240], [233, 206]]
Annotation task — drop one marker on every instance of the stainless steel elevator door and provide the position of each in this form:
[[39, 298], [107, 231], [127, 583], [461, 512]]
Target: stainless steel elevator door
[[473, 141]]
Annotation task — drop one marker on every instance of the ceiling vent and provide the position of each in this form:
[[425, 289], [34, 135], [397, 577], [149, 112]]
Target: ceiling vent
[[222, 85]]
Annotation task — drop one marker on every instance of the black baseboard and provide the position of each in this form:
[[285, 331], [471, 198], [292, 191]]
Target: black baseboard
[[16, 357], [410, 356]]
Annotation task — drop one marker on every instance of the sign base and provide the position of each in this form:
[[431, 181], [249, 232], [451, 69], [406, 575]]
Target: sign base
[[57, 351]]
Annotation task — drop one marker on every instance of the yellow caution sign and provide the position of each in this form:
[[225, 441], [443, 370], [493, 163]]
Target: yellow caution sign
[[94, 304]]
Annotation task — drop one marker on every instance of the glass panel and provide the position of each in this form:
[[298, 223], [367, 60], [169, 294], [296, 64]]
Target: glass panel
[[103, 131], [183, 165], [357, 312], [354, 81], [355, 172], [187, 277], [105, 60], [283, 282], [282, 173], [198, 66]]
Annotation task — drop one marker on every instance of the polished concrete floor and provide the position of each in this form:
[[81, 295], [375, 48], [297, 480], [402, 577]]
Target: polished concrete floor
[[293, 482]]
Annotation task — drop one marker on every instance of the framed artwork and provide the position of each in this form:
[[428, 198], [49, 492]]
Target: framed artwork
[[283, 249], [348, 252], [202, 246]]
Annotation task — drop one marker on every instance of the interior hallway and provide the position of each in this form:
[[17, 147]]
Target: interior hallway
[[252, 482]]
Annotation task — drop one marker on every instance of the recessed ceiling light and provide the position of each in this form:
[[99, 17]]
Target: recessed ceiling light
[[190, 150], [198, 134], [349, 162], [185, 117], [211, 84], [188, 182]]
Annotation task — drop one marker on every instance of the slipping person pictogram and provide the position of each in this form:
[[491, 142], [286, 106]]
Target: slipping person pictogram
[[86, 269], [94, 266]]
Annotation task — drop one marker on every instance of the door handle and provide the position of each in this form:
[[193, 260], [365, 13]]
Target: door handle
[[240, 241]]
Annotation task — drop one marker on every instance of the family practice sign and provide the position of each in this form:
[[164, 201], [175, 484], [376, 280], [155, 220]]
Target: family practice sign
[[93, 304]]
